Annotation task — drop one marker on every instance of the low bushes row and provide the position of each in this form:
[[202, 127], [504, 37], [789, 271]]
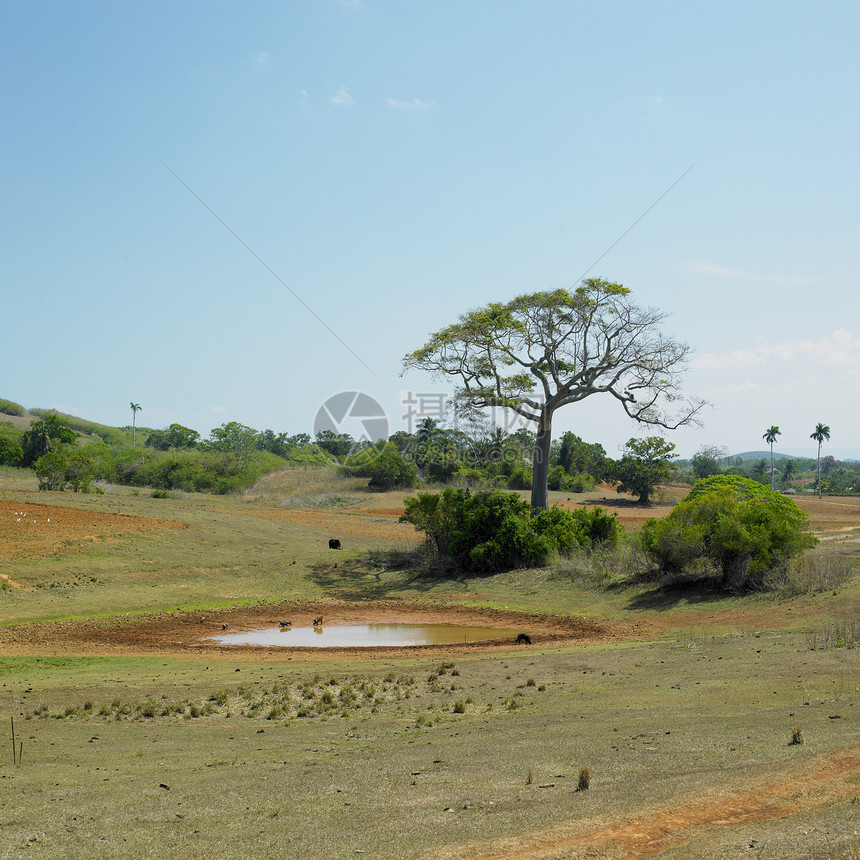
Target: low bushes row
[[495, 530], [71, 467], [728, 527]]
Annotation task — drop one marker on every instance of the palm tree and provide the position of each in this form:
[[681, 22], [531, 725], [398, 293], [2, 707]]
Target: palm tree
[[426, 429], [822, 432], [770, 437], [135, 408]]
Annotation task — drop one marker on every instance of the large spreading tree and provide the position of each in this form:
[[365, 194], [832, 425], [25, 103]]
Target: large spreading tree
[[542, 351]]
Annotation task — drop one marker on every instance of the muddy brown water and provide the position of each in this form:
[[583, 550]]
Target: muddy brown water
[[366, 635]]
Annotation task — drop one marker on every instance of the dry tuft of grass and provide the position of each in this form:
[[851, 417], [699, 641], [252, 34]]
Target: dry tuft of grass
[[810, 574], [530, 778], [796, 737], [584, 779], [604, 567], [837, 631]]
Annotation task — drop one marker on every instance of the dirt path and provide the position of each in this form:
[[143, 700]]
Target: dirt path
[[652, 832]]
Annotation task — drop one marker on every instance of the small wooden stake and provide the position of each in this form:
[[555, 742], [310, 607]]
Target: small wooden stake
[[20, 751], [14, 762]]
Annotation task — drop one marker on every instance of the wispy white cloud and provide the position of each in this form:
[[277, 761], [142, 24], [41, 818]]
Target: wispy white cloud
[[217, 409], [706, 268], [342, 97], [259, 58], [839, 350], [406, 104]]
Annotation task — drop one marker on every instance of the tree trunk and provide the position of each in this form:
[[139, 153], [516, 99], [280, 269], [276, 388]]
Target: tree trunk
[[819, 470], [540, 464]]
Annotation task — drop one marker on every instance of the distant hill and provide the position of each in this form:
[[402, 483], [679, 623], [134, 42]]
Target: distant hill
[[89, 430], [763, 455]]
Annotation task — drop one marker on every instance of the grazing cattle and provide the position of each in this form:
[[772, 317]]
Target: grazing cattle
[[223, 626], [524, 639], [318, 621], [334, 543], [283, 624]]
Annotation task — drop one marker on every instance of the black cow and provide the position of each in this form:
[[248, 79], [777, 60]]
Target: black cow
[[334, 543], [524, 639]]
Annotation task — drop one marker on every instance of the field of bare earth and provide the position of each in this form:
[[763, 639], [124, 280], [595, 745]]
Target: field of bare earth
[[138, 735]]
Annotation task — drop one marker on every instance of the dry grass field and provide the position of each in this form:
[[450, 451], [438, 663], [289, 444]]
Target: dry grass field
[[138, 737]]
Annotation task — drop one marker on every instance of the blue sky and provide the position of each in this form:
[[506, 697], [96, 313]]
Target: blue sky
[[396, 164]]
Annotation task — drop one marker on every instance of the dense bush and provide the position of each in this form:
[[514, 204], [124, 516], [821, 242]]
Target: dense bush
[[520, 477], [189, 470], [743, 527], [45, 435], [577, 457], [175, 436], [119, 436], [8, 407], [384, 465], [11, 452], [201, 471], [566, 531], [65, 466], [559, 479], [494, 530]]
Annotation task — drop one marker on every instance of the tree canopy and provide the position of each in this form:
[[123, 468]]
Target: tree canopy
[[542, 351], [645, 464], [44, 435], [747, 530]]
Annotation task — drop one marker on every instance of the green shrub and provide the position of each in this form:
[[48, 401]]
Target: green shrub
[[520, 477], [11, 452], [100, 432], [384, 465], [559, 479], [8, 407], [743, 527], [568, 530], [45, 435], [581, 483], [494, 530], [484, 532]]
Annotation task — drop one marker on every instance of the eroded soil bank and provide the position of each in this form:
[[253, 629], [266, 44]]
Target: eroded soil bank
[[184, 632]]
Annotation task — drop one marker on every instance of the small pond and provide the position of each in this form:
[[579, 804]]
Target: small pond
[[366, 635]]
